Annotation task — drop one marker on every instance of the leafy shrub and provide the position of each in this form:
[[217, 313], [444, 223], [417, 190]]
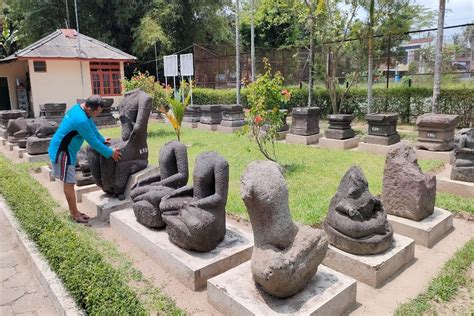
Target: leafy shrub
[[96, 286], [147, 83]]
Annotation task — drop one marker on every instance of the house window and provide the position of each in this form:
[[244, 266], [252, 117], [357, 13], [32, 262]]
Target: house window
[[105, 78], [39, 66]]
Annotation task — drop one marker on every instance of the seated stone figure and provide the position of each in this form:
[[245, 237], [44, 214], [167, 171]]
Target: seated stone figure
[[285, 255], [463, 166], [406, 191], [147, 194], [195, 216], [22, 128], [112, 176], [356, 221]]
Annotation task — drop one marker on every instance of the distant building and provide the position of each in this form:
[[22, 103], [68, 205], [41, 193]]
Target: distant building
[[61, 68]]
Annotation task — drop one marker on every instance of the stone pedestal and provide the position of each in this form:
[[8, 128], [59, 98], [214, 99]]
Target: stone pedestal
[[22, 143], [190, 124], [301, 139], [463, 165], [373, 270], [382, 129], [3, 141], [447, 185], [207, 127], [232, 116], [192, 114], [339, 143], [305, 121], [10, 145], [193, 269], [36, 146], [374, 148], [228, 129], [21, 152], [339, 127], [235, 293], [105, 204], [47, 173], [211, 114], [445, 156], [53, 111], [14, 140], [436, 131], [426, 232], [3, 133], [35, 158], [82, 190]]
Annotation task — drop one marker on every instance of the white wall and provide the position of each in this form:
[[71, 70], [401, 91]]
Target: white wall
[[14, 70]]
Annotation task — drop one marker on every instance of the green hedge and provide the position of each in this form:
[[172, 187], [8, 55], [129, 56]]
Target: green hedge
[[96, 286], [408, 102]]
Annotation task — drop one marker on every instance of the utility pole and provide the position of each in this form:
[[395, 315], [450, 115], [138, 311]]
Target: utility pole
[[252, 39], [237, 52], [156, 64], [67, 15], [79, 48]]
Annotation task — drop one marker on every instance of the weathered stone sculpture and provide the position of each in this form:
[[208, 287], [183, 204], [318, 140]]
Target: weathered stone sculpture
[[339, 126], [356, 221], [407, 192], [382, 129], [112, 176], [232, 115], [147, 194], [195, 216], [192, 114], [211, 114], [83, 170], [285, 255], [8, 115], [436, 131], [463, 166], [53, 111], [22, 128], [305, 121]]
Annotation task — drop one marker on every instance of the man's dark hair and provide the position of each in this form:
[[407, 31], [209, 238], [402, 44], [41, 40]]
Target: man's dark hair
[[94, 102]]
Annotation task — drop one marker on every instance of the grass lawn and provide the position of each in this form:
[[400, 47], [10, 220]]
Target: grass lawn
[[313, 174]]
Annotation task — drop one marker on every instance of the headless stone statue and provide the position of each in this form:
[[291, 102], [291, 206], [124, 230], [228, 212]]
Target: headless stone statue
[[285, 255], [112, 176], [407, 191], [22, 128], [356, 221], [195, 216], [147, 194], [463, 166]]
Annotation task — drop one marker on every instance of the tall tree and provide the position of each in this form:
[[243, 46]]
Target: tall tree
[[370, 39], [438, 58]]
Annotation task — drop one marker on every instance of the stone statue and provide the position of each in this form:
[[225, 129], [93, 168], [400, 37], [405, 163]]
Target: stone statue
[[22, 128], [195, 216], [112, 176], [463, 166], [147, 194], [407, 191], [83, 169], [356, 221], [285, 255]]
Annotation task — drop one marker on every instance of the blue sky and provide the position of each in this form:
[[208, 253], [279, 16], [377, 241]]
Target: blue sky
[[457, 11]]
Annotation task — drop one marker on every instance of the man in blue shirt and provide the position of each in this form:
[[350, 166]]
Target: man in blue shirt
[[77, 126]]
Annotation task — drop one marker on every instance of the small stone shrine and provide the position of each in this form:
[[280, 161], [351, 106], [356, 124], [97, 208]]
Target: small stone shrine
[[436, 131], [382, 129], [305, 121], [285, 255], [192, 114], [211, 114], [232, 115], [463, 166], [339, 126], [112, 176], [147, 193], [53, 111], [195, 215], [406, 191], [356, 222], [6, 116], [105, 117]]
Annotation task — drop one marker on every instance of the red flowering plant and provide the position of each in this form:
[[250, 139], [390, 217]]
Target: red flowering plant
[[264, 118]]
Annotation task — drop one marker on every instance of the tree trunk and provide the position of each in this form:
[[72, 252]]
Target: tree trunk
[[237, 50], [311, 54], [370, 73], [438, 58]]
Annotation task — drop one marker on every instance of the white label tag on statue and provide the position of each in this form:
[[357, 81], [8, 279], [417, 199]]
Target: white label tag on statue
[[431, 135]]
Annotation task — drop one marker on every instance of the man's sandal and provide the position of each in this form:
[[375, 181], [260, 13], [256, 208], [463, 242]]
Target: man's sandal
[[85, 216], [79, 220]]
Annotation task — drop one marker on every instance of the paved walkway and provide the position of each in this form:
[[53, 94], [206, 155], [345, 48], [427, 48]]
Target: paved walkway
[[20, 291]]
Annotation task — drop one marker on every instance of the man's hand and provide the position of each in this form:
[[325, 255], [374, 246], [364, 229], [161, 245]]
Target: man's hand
[[107, 141], [116, 155]]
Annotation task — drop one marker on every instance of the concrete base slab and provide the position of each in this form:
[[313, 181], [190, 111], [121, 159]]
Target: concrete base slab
[[11, 146], [207, 127], [339, 143], [373, 270], [190, 124], [35, 158], [192, 268], [282, 135], [228, 129], [47, 173], [426, 232], [3, 141], [304, 140], [445, 156], [444, 184], [21, 151], [235, 293], [81, 190], [140, 175], [104, 204]]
